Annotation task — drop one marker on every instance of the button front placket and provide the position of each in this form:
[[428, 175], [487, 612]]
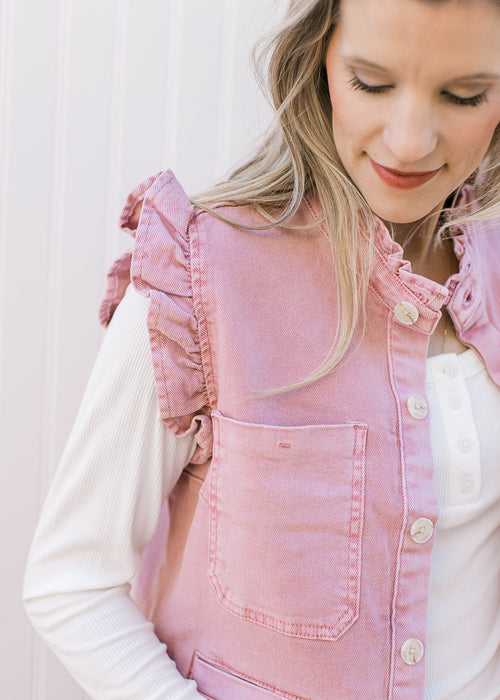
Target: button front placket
[[459, 431], [410, 341]]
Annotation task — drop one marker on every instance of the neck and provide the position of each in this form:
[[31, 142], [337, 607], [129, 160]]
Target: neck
[[419, 235], [428, 255]]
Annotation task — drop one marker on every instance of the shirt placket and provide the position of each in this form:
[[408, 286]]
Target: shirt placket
[[409, 341]]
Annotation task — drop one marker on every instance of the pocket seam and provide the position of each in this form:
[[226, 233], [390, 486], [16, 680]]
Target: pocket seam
[[349, 611], [238, 675]]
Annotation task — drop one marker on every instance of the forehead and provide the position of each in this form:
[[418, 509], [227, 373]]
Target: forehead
[[461, 36]]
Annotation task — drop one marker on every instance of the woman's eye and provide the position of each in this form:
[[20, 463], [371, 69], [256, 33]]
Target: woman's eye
[[473, 101], [358, 84]]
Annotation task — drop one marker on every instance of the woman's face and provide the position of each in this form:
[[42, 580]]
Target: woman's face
[[415, 88]]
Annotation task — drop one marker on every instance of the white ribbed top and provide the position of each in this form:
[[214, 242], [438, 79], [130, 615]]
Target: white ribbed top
[[463, 643], [119, 464]]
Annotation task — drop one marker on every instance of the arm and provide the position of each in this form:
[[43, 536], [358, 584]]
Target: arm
[[118, 465]]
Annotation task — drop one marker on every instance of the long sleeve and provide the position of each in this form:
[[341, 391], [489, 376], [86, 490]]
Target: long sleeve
[[119, 464]]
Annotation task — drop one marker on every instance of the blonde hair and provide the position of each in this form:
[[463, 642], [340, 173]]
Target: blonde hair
[[298, 155]]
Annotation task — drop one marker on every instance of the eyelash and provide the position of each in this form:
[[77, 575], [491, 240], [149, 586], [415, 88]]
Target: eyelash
[[474, 101]]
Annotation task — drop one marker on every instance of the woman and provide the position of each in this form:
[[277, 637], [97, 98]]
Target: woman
[[330, 334]]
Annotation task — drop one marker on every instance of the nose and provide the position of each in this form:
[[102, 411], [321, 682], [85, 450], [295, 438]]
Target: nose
[[409, 133]]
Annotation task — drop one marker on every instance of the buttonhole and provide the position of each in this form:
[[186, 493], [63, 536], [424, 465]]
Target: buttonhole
[[286, 445], [468, 298]]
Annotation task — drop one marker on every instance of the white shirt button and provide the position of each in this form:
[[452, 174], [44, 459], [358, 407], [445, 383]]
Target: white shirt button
[[455, 401], [412, 651], [417, 406], [465, 445], [452, 370], [406, 313], [467, 485], [421, 530]]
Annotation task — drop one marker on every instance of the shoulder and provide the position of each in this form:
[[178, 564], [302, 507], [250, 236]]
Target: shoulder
[[159, 199], [239, 219]]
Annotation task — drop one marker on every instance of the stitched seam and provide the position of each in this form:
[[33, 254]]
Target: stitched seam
[[349, 610], [398, 280], [356, 527], [144, 228], [382, 257], [213, 523], [189, 269], [405, 504], [291, 629], [245, 677], [206, 356], [391, 309], [154, 333]]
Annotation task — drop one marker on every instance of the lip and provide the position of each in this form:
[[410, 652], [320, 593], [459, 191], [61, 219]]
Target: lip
[[400, 179]]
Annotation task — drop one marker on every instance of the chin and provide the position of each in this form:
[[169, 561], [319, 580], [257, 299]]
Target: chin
[[403, 215]]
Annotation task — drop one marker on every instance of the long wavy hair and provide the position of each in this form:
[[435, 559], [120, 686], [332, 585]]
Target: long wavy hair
[[298, 155]]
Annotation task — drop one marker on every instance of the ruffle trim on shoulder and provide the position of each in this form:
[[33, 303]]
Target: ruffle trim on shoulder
[[158, 267], [117, 281]]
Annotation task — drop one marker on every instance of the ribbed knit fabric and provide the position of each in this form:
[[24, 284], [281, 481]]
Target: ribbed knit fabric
[[463, 645], [120, 462]]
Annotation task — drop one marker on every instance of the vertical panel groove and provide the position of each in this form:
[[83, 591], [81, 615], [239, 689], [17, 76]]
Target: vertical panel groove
[[6, 50], [56, 239], [173, 86], [116, 128], [83, 81], [55, 245], [226, 87]]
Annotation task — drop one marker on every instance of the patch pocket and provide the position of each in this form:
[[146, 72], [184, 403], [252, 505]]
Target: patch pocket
[[286, 522], [216, 683]]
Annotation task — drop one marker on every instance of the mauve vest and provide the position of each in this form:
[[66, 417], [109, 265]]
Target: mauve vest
[[295, 563]]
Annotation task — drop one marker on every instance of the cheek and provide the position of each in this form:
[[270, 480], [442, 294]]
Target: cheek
[[337, 101], [341, 101], [354, 118], [349, 122], [476, 140]]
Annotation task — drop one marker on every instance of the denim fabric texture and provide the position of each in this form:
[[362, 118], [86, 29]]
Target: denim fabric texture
[[289, 568]]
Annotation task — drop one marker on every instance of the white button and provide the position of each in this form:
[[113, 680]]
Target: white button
[[452, 370], [467, 485], [455, 401], [421, 530], [417, 406], [412, 651], [406, 313], [465, 445]]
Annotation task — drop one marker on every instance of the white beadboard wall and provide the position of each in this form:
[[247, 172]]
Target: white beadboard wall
[[95, 96]]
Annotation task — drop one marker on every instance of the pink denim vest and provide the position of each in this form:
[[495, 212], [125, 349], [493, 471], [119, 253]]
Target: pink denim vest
[[295, 563]]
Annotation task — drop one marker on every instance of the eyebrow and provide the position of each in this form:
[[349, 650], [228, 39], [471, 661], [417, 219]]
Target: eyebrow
[[462, 78]]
